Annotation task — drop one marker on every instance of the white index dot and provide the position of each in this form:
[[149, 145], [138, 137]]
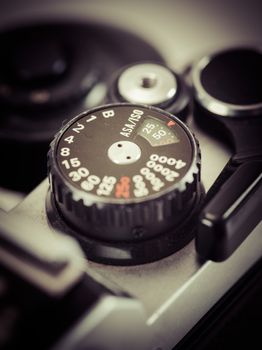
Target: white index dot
[[124, 152]]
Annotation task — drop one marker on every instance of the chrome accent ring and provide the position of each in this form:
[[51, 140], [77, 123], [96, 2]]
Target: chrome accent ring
[[214, 105]]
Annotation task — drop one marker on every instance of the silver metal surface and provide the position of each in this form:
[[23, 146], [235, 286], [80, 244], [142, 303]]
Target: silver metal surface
[[177, 291], [173, 291], [147, 83], [124, 152], [114, 323], [27, 253], [214, 105]]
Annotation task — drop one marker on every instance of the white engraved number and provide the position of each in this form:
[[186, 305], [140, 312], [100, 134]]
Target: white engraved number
[[65, 151], [74, 162], [69, 139], [78, 174], [78, 128]]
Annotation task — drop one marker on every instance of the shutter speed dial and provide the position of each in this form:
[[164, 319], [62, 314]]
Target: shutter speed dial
[[125, 181]]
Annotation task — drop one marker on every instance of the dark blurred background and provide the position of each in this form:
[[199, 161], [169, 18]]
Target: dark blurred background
[[181, 31]]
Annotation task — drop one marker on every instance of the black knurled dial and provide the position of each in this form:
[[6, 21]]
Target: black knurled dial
[[125, 174]]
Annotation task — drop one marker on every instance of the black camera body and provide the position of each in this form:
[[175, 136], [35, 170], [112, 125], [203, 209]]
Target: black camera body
[[150, 213]]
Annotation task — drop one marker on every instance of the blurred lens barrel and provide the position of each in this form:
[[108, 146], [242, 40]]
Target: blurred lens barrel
[[49, 72]]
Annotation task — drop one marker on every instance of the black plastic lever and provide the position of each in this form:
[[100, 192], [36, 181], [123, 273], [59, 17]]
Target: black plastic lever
[[232, 213]]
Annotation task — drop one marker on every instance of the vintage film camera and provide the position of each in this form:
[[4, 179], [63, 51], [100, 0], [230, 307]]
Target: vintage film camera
[[126, 180]]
